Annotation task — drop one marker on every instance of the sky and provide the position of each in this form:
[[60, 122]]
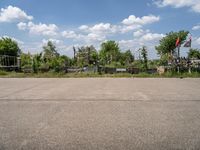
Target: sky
[[67, 23]]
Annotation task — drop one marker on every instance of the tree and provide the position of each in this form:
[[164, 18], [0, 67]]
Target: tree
[[26, 60], [109, 52], [194, 54], [67, 61], [167, 44], [126, 58], [144, 55], [9, 47], [86, 56], [93, 55], [37, 62], [50, 51]]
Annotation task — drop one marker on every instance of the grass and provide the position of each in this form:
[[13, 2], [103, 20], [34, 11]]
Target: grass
[[4, 74]]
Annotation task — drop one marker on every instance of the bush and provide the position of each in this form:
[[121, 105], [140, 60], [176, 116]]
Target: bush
[[27, 69], [44, 67]]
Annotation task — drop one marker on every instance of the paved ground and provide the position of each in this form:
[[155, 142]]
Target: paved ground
[[89, 114]]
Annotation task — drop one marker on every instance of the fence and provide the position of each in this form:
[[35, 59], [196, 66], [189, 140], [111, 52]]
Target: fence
[[9, 62]]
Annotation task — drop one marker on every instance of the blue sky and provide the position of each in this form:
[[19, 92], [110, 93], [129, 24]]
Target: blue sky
[[70, 23]]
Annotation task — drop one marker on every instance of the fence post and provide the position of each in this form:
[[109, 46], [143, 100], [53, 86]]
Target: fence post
[[18, 62]]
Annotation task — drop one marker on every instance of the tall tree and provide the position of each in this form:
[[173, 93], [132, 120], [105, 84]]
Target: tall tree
[[109, 52], [167, 45], [9, 47], [126, 58], [50, 51], [144, 55], [86, 56]]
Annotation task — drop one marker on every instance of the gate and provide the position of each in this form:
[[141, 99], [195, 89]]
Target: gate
[[9, 62]]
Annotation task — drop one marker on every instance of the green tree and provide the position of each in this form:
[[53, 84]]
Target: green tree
[[51, 57], [109, 52], [67, 61], [167, 44], [9, 47], [126, 58], [26, 60], [144, 55], [50, 51], [93, 55], [38, 62], [86, 56], [194, 54]]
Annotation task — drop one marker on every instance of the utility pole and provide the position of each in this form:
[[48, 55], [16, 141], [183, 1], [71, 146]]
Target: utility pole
[[89, 55], [74, 49], [178, 60]]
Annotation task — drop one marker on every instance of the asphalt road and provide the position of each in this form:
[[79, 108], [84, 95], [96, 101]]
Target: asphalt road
[[90, 114]]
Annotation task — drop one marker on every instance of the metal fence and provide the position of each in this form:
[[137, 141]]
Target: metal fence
[[9, 61]]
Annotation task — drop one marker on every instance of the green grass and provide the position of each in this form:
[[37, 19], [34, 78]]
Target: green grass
[[4, 74]]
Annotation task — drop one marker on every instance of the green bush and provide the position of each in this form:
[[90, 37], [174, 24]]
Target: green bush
[[44, 67]]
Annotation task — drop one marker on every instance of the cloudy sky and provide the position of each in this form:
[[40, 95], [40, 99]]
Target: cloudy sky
[[68, 23]]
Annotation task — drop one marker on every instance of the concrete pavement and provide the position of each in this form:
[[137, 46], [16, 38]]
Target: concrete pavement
[[99, 114]]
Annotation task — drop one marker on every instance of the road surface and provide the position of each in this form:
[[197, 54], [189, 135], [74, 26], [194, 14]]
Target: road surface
[[106, 113]]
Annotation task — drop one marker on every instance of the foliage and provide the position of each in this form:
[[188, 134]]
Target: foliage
[[85, 75], [137, 64], [3, 73], [109, 52], [9, 47], [153, 64], [168, 43], [50, 51], [26, 59], [86, 56], [50, 63], [126, 58], [37, 62], [164, 60], [194, 54], [144, 55]]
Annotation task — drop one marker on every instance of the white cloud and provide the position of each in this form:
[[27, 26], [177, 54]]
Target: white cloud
[[197, 27], [193, 4], [125, 29], [138, 33], [103, 28], [22, 26], [11, 14], [84, 28], [70, 35], [39, 29], [196, 41], [54, 41], [142, 38], [87, 38], [133, 44], [95, 37], [99, 28], [151, 37], [133, 20], [101, 31], [90, 34], [93, 33], [146, 35]]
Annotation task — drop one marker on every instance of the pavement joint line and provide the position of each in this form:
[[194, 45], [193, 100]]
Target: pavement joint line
[[20, 90], [96, 100], [26, 89]]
